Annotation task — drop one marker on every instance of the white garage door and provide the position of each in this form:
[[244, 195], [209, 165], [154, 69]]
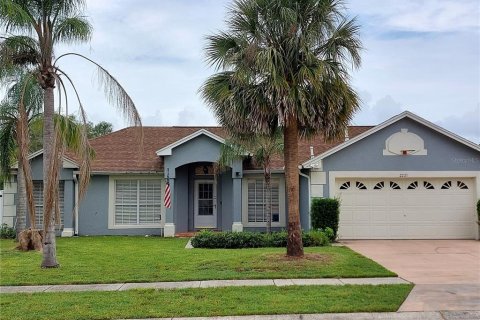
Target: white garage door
[[420, 208]]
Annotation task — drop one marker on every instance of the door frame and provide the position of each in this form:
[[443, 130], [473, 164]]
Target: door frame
[[197, 221]]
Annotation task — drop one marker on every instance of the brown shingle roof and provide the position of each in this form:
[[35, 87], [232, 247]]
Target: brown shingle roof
[[121, 151]]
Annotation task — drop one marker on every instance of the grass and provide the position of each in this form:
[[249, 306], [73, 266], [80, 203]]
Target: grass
[[203, 302], [139, 259]]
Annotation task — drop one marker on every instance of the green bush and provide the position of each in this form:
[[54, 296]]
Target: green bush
[[478, 209], [315, 238], [239, 240], [330, 234], [7, 232], [324, 213]]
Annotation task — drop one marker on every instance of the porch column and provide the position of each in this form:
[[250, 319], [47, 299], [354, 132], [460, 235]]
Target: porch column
[[68, 206], [169, 228], [237, 175]]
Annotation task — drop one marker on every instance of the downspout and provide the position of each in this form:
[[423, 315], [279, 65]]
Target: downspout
[[309, 198], [75, 205]]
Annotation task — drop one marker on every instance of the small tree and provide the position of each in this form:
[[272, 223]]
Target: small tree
[[18, 110], [31, 30], [262, 148], [100, 129]]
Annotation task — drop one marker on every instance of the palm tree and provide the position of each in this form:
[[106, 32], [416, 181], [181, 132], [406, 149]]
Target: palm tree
[[262, 148], [16, 116], [284, 64], [32, 30]]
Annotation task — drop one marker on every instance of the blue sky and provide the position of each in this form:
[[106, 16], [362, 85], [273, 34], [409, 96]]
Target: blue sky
[[420, 55]]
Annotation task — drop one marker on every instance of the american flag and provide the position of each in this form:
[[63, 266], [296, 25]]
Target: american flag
[[168, 198]]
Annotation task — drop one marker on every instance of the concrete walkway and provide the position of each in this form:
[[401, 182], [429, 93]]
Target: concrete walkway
[[439, 315], [201, 284]]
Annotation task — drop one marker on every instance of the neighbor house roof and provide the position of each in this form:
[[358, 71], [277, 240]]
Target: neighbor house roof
[[121, 151]]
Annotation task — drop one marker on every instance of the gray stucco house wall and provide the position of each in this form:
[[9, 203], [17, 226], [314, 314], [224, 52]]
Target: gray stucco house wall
[[443, 154], [188, 163]]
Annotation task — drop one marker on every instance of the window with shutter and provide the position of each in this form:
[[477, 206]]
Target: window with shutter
[[257, 200], [38, 200], [137, 202]]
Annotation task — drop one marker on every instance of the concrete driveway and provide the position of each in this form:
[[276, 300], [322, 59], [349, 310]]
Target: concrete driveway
[[446, 273]]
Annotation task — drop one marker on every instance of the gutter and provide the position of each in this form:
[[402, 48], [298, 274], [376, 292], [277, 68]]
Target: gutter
[[75, 205]]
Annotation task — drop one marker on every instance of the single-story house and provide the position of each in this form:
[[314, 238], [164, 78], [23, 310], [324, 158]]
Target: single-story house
[[405, 178]]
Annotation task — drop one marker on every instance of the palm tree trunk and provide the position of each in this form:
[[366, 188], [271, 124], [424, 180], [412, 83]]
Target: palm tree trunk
[[49, 245], [267, 177], [294, 241], [21, 222]]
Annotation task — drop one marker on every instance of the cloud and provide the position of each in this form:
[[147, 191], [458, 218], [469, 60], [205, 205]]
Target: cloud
[[420, 55], [465, 124], [420, 15], [382, 110], [195, 117]]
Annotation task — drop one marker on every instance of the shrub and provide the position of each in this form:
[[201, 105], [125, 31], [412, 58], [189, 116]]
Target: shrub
[[7, 232], [239, 240], [478, 209], [315, 238], [330, 234], [324, 213]]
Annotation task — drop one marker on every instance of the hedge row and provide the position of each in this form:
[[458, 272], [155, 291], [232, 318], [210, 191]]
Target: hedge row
[[239, 240]]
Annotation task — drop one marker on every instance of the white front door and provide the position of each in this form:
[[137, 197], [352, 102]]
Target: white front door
[[205, 206]]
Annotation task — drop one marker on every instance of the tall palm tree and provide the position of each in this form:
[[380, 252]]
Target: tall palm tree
[[262, 148], [284, 64], [31, 31], [16, 116]]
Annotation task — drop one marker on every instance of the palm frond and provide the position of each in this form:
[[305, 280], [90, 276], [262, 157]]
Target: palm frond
[[72, 30], [14, 17], [7, 148], [17, 52], [114, 92]]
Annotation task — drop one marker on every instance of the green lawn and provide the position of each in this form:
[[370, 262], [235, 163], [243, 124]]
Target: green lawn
[[203, 302], [140, 259]]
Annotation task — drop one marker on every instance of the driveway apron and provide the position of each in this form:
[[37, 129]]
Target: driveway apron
[[446, 273]]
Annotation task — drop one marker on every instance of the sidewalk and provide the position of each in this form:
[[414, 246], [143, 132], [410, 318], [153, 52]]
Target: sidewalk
[[441, 315], [201, 284]]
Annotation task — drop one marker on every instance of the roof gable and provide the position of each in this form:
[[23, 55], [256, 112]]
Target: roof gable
[[67, 162], [167, 150], [405, 114]]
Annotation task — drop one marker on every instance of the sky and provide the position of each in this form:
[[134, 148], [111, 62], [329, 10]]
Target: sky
[[419, 55]]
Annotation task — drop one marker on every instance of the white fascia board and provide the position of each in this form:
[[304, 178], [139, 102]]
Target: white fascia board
[[405, 114], [167, 151], [67, 162]]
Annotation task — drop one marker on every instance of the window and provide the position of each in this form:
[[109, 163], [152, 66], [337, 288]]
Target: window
[[428, 185], [137, 202], [345, 185], [447, 185], [360, 185], [461, 185], [394, 186], [413, 185], [38, 200], [257, 200], [205, 199], [379, 185]]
